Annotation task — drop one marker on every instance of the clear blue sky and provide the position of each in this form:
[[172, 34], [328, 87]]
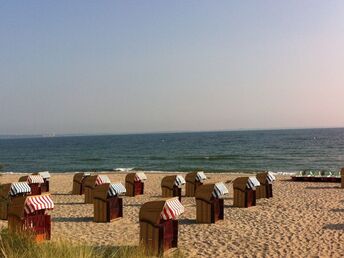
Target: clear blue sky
[[142, 66]]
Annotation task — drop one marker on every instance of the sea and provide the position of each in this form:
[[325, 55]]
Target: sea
[[230, 151]]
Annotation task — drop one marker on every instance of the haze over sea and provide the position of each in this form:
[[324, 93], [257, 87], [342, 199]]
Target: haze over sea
[[274, 150]]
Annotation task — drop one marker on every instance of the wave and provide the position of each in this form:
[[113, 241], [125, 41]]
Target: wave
[[123, 169]]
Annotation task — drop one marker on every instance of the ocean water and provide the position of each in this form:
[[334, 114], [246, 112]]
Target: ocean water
[[274, 150]]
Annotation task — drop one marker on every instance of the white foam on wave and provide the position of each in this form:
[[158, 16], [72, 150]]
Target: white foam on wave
[[123, 169], [283, 173]]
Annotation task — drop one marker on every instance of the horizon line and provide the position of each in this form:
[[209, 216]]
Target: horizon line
[[53, 135]]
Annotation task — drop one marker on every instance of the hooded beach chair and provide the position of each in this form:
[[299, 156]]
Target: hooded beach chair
[[9, 192], [78, 179], [46, 179], [209, 202], [265, 189], [35, 182], [159, 225], [90, 183], [193, 180], [134, 183], [245, 191], [171, 186], [28, 214], [107, 203]]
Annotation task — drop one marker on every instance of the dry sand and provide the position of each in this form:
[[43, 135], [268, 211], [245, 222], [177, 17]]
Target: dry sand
[[301, 220]]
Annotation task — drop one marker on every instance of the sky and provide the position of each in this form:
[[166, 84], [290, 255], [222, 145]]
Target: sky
[[70, 67]]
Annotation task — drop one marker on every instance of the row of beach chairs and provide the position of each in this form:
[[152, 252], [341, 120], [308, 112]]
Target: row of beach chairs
[[158, 219], [25, 204]]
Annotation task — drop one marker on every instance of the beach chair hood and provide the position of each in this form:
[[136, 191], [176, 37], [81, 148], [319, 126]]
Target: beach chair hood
[[252, 183], [44, 174], [154, 211], [265, 177], [102, 179], [195, 176], [207, 192], [135, 177], [79, 177], [33, 179], [271, 178], [170, 181], [29, 204], [92, 181], [140, 177], [19, 188], [116, 189], [106, 190]]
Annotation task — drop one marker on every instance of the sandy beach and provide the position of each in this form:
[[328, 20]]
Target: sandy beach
[[301, 220]]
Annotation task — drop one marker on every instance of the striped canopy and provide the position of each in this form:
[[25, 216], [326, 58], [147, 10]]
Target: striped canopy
[[38, 202], [172, 209], [44, 174], [179, 181], [201, 176], [252, 182], [102, 179], [19, 188], [140, 176], [116, 189], [220, 190], [35, 179], [271, 178]]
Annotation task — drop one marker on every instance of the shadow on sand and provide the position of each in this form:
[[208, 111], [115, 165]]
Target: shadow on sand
[[322, 187], [334, 226], [337, 210], [68, 203], [68, 219], [187, 222]]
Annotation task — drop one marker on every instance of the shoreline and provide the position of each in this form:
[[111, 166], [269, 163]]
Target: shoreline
[[150, 172]]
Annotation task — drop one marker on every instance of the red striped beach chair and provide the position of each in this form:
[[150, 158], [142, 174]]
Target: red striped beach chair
[[46, 179], [28, 214], [159, 225], [134, 183], [35, 182]]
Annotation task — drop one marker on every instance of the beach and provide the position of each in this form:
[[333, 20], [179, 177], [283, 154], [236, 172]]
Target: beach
[[303, 219]]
